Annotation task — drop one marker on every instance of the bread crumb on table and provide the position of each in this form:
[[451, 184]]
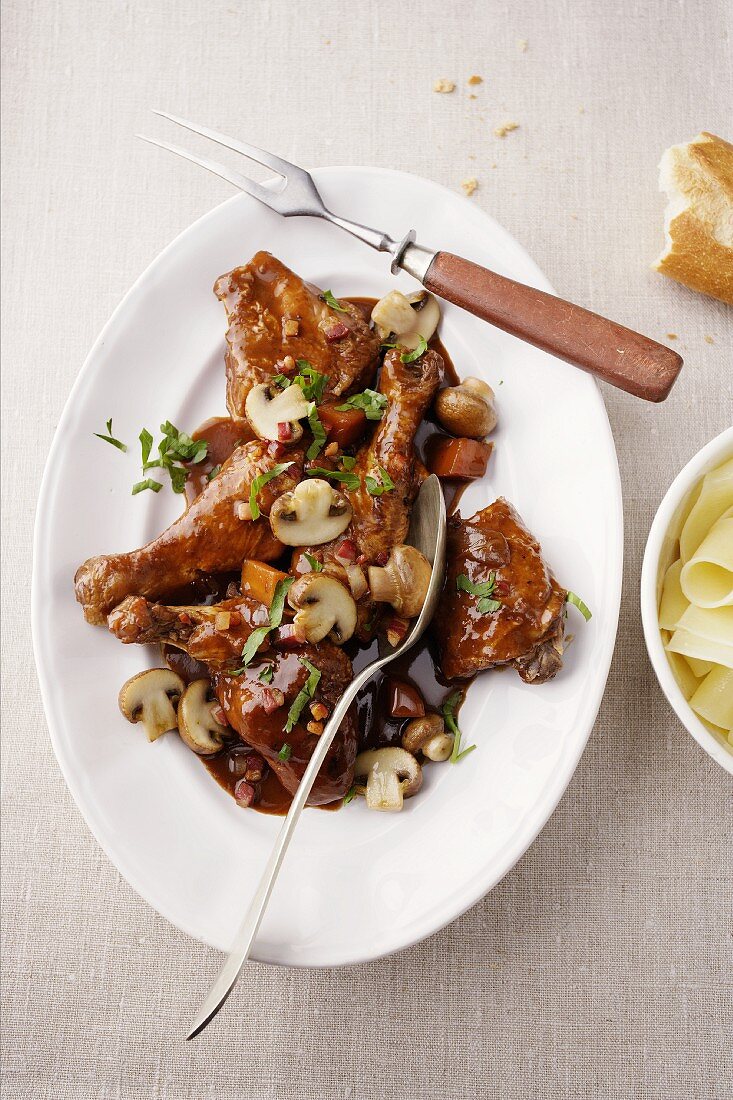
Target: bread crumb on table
[[505, 128], [475, 80], [469, 185], [671, 335], [522, 45], [708, 339], [444, 86]]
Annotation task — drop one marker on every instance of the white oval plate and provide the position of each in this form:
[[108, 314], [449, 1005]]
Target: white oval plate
[[355, 884]]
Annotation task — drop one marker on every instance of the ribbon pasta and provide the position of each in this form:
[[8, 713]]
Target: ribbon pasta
[[696, 605]]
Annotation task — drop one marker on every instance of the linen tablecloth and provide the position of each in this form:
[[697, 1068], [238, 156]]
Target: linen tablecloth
[[601, 965]]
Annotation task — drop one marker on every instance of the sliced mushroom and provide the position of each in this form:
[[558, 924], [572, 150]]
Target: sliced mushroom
[[277, 417], [467, 409], [324, 608], [311, 514], [151, 698], [391, 775], [197, 725], [403, 582], [407, 317], [427, 735]]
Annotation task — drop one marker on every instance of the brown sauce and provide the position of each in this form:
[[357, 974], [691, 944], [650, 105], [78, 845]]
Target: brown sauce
[[418, 667]]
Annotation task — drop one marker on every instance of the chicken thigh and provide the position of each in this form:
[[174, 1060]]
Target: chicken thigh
[[273, 314]]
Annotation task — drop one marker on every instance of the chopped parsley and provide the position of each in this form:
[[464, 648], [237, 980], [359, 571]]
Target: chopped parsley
[[314, 563], [259, 483], [109, 438], [148, 483], [174, 449], [375, 487], [334, 303], [319, 432], [213, 472], [371, 403], [347, 479], [266, 674], [285, 752], [347, 462], [258, 635], [350, 795], [582, 607], [486, 605], [411, 356], [311, 381], [304, 696], [448, 710]]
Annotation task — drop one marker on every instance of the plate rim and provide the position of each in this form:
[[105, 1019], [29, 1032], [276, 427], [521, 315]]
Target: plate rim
[[476, 887]]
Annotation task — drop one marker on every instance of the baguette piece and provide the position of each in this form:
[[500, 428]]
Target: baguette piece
[[698, 180]]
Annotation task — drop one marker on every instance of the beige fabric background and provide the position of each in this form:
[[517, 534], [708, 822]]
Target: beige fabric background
[[601, 966]]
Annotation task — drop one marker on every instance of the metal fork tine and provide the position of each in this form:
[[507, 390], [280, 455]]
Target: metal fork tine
[[261, 156], [257, 190]]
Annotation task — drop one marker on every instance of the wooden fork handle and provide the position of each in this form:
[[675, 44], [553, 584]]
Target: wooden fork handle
[[615, 354]]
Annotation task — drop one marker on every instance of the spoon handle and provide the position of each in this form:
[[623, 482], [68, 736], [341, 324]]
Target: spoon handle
[[227, 976], [615, 354]]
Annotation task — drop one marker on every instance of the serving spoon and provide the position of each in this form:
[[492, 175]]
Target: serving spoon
[[427, 532], [618, 355]]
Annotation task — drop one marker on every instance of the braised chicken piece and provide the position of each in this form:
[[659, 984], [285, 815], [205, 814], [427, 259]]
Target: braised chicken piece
[[517, 615], [381, 521], [273, 314], [255, 710], [213, 536], [214, 634]]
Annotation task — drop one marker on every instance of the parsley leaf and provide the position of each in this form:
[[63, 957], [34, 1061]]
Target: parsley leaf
[[313, 563], [109, 438], [259, 483], [448, 709], [349, 480], [285, 752], [484, 591], [148, 483], [411, 356], [349, 796], [304, 696], [311, 381], [258, 635], [582, 608], [334, 303], [174, 449], [146, 442], [371, 403], [213, 472], [347, 462], [375, 487], [266, 674], [319, 432]]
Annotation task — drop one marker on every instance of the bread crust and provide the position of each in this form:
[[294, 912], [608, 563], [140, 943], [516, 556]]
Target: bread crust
[[698, 179]]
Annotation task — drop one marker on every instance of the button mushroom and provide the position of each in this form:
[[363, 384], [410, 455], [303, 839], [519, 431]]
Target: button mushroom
[[468, 409], [276, 418], [151, 698], [324, 608], [391, 775], [403, 582], [407, 317], [197, 725], [311, 514], [427, 735]]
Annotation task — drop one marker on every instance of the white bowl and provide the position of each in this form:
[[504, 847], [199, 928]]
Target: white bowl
[[659, 554]]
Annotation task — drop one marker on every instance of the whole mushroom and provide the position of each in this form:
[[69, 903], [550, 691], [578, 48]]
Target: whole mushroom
[[324, 608], [197, 725], [276, 417], [150, 698], [427, 735], [391, 776], [310, 514], [467, 409], [403, 582]]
